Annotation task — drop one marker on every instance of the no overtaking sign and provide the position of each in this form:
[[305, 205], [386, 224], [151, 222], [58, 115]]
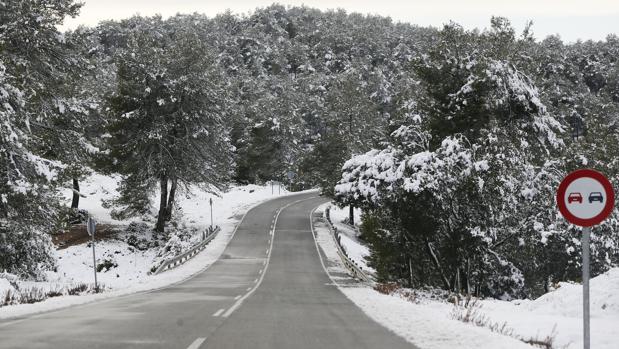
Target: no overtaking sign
[[585, 198]]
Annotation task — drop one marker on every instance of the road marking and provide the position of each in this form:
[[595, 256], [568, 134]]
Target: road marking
[[264, 262], [218, 312], [251, 290], [237, 297], [260, 271], [248, 289], [197, 343], [318, 249], [255, 281]]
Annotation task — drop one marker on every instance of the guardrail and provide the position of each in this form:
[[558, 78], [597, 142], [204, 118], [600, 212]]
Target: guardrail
[[351, 265], [171, 263]]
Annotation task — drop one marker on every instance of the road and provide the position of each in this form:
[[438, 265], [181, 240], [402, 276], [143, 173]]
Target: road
[[268, 290]]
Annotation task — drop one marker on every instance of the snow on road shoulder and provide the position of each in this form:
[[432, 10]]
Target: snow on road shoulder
[[131, 274], [356, 250], [561, 311], [427, 325]]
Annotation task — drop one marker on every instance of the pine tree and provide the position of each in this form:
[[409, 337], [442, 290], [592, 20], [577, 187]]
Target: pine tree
[[33, 59], [168, 124]]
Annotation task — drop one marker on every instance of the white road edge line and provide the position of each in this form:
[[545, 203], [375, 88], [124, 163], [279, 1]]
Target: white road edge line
[[218, 312], [197, 343], [251, 290]]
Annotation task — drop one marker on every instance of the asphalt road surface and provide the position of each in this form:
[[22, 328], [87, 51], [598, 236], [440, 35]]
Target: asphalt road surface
[[268, 290]]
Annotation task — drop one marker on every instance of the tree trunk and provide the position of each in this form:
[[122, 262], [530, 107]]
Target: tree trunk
[[437, 264], [168, 213], [351, 215], [75, 203], [163, 201], [468, 277]]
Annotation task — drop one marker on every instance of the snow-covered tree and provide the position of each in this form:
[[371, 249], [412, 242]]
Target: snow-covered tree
[[33, 62], [169, 118]]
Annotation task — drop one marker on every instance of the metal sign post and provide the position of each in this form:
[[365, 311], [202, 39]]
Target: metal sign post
[[586, 234], [91, 227], [585, 198]]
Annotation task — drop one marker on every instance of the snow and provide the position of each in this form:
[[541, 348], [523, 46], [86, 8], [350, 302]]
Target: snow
[[429, 323], [561, 309], [131, 274], [97, 188], [75, 264]]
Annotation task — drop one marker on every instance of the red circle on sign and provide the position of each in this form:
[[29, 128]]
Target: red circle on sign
[[600, 178]]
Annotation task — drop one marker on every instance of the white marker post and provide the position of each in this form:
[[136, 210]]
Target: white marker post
[[585, 198], [91, 227], [211, 202]]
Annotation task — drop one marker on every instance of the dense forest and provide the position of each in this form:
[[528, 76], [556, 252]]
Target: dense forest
[[451, 141]]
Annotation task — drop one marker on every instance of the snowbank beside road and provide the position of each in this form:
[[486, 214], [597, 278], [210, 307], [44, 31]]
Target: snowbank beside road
[[131, 273], [561, 311]]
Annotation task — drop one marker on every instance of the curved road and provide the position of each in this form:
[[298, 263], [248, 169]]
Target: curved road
[[268, 290]]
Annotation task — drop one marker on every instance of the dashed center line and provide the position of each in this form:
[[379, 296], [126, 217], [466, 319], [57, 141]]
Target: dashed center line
[[258, 281], [197, 343], [237, 297], [218, 312]]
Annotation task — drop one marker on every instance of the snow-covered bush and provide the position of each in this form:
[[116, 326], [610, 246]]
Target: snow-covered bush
[[180, 240]]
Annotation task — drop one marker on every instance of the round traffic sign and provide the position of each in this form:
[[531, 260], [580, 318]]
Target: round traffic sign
[[585, 197]]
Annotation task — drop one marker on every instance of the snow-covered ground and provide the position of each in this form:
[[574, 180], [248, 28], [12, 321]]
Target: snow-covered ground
[[131, 273], [430, 324], [355, 249], [561, 310]]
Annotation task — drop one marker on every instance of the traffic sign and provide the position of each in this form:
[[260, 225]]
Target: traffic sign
[[585, 197], [91, 226]]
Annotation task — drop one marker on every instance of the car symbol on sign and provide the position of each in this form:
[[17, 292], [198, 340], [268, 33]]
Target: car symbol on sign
[[596, 196], [574, 197]]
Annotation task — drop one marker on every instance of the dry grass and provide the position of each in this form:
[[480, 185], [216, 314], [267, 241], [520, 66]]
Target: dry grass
[[31, 295], [470, 312]]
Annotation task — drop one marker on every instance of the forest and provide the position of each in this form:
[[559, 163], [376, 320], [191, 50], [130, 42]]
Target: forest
[[451, 141]]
